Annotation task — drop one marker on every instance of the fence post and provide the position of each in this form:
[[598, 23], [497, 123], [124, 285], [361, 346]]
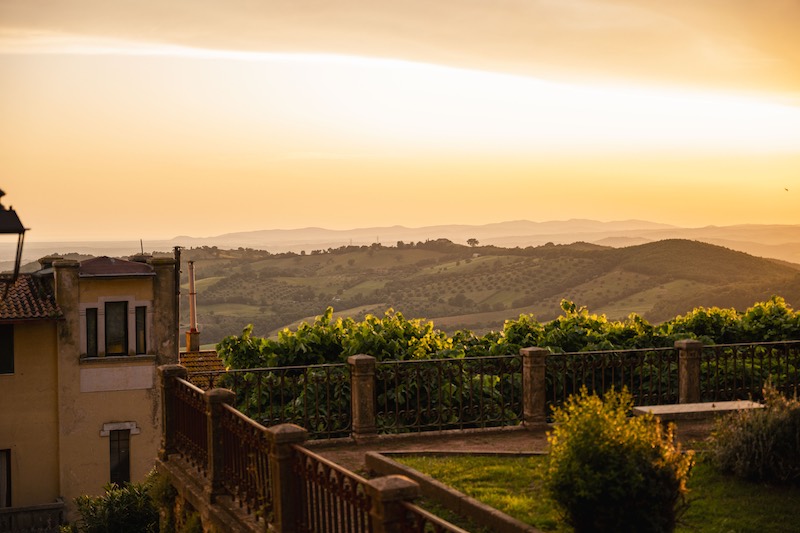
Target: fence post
[[362, 397], [689, 370], [387, 493], [215, 398], [284, 483], [534, 409], [168, 374]]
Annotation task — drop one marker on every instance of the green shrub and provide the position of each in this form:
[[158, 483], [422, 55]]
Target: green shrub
[[126, 509], [609, 472], [761, 444]]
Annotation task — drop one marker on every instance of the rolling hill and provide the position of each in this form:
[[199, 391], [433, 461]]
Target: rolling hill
[[477, 287]]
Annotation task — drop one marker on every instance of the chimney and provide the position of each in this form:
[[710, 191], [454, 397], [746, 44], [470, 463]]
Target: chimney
[[48, 260], [141, 258], [192, 336]]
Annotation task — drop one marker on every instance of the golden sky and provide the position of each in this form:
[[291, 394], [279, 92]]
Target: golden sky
[[151, 119]]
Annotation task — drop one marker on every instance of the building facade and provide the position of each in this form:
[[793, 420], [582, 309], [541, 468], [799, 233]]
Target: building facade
[[80, 344]]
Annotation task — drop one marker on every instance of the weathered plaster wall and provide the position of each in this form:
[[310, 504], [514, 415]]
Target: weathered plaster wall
[[29, 414], [107, 390]]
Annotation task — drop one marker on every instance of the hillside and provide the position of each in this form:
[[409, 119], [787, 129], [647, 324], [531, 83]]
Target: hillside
[[773, 241], [476, 287]]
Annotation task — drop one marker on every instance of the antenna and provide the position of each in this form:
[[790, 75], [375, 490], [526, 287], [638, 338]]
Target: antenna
[[141, 245]]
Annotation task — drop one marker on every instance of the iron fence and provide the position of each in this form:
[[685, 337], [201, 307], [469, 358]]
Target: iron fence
[[190, 424], [739, 371], [438, 394], [245, 461], [650, 375], [315, 397], [332, 499]]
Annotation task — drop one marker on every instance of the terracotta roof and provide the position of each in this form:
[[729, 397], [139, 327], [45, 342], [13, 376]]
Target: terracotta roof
[[203, 361], [30, 298], [109, 266]]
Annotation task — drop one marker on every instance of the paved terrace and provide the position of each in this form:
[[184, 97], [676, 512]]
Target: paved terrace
[[507, 441]]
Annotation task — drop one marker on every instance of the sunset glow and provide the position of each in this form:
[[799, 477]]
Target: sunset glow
[[98, 127]]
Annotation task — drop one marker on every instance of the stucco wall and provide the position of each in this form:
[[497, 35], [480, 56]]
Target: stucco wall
[[105, 390], [94, 289], [29, 414]]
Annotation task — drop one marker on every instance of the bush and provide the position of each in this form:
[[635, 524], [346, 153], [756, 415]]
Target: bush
[[609, 472], [121, 509], [761, 444]]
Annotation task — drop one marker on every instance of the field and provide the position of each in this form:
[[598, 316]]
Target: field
[[477, 288]]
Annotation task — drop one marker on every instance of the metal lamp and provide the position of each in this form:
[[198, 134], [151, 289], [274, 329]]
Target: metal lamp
[[10, 224]]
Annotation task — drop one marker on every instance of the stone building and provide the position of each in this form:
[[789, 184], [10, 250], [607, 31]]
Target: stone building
[[80, 344]]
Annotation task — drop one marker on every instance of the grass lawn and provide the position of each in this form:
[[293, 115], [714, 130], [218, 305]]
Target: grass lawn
[[718, 503]]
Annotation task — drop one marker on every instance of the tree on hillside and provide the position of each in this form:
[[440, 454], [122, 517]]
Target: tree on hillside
[[473, 242]]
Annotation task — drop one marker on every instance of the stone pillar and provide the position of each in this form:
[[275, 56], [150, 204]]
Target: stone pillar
[[387, 493], [534, 407], [165, 311], [689, 370], [168, 374], [215, 398], [285, 484], [362, 397]]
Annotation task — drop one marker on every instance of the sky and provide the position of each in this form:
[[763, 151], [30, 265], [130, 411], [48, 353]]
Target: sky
[[151, 119]]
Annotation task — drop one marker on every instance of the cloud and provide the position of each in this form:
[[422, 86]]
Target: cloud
[[683, 42]]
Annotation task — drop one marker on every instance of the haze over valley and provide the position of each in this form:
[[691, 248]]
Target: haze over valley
[[145, 126]]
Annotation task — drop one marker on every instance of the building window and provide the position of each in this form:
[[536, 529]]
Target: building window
[[141, 329], [6, 348], [91, 332], [120, 454], [5, 478], [116, 328]]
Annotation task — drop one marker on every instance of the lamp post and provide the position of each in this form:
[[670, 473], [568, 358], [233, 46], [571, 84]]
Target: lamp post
[[9, 225]]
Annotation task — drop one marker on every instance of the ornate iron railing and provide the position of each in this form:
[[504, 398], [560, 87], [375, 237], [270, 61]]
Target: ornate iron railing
[[418, 520], [315, 397], [437, 394], [650, 375], [333, 500], [739, 371], [245, 461], [190, 424]]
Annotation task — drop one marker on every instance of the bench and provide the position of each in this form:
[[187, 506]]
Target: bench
[[695, 411]]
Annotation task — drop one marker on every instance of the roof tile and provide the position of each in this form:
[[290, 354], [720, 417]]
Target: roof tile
[[201, 362], [29, 298]]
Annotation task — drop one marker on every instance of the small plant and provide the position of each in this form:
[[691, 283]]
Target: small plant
[[609, 472], [761, 444], [129, 508]]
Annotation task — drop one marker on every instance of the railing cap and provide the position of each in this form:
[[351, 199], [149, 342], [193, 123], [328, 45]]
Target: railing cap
[[173, 371], [395, 487], [689, 344], [287, 434], [220, 396], [534, 351], [361, 361]]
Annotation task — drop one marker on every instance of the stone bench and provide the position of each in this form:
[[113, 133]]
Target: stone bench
[[695, 411]]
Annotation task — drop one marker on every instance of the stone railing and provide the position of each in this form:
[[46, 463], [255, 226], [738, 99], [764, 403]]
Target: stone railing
[[256, 478]]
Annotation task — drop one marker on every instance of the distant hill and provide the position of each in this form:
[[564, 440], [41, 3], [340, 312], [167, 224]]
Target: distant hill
[[479, 287], [776, 241]]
